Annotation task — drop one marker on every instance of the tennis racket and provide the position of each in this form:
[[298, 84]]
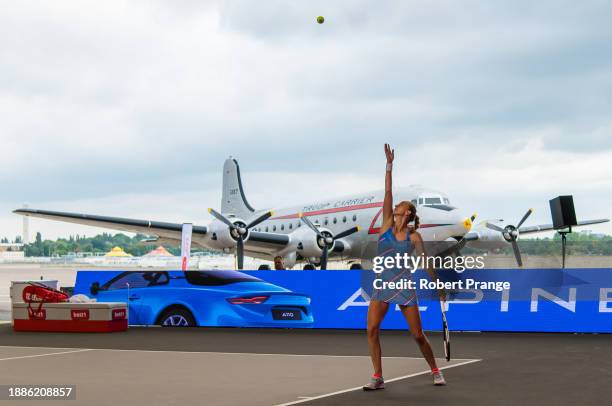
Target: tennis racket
[[445, 332]]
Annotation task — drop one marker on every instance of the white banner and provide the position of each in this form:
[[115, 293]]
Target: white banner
[[186, 244]]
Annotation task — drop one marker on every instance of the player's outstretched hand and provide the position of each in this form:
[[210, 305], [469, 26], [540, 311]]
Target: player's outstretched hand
[[390, 153]]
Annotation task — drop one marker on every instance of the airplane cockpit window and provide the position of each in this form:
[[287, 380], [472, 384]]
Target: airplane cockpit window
[[438, 202]]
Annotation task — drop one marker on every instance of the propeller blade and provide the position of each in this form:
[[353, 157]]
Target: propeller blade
[[220, 217], [259, 219], [494, 227], [524, 218], [240, 252], [454, 249], [324, 257], [517, 253], [310, 225], [347, 232]]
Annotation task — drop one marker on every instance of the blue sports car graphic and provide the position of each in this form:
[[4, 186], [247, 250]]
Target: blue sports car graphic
[[202, 298]]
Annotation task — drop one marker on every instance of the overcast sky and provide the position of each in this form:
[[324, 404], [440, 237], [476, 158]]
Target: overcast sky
[[130, 108]]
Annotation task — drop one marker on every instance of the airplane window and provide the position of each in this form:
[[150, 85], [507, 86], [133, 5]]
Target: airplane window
[[282, 227], [432, 200], [326, 222], [290, 226], [274, 228], [266, 229], [354, 217], [335, 220], [414, 201], [344, 219], [420, 200]]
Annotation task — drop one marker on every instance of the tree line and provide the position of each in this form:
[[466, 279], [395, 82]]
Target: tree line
[[101, 243], [577, 244]]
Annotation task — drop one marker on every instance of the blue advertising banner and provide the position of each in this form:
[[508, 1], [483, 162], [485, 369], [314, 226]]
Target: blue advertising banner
[[533, 300]]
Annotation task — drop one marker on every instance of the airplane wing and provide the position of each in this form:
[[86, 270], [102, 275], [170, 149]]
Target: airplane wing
[[162, 229], [549, 227], [167, 232], [264, 243]]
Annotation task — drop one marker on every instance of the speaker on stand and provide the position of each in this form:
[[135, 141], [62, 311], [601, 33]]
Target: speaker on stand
[[563, 217]]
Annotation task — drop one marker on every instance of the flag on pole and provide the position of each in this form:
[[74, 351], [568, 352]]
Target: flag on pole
[[186, 244]]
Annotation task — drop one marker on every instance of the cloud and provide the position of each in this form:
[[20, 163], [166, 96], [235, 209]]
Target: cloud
[[103, 103]]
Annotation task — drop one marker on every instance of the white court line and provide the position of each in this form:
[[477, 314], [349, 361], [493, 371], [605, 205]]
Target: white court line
[[229, 353], [44, 355], [308, 399]]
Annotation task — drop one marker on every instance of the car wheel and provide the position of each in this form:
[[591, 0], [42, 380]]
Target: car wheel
[[356, 266], [264, 267], [177, 317], [309, 267]]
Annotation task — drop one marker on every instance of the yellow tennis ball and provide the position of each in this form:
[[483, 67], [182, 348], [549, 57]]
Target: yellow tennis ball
[[320, 19]]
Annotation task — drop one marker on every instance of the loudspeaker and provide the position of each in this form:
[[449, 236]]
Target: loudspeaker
[[562, 212]]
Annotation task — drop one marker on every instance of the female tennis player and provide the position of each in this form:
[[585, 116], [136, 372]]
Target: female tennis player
[[397, 235]]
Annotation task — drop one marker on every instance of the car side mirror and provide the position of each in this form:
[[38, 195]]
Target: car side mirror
[[94, 288]]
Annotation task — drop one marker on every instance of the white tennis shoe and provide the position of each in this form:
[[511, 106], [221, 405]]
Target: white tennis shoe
[[375, 384], [438, 378]]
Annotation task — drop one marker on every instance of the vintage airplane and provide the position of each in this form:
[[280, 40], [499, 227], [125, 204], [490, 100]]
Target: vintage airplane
[[342, 228]]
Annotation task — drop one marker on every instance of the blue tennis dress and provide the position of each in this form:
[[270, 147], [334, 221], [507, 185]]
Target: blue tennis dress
[[389, 246]]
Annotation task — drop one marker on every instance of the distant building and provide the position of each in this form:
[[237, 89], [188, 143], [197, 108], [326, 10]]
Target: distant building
[[25, 237], [11, 251]]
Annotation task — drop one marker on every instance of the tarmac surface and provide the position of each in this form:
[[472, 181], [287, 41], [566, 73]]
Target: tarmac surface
[[218, 366]]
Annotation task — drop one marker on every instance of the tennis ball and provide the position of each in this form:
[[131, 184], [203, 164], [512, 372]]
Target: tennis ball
[[320, 19]]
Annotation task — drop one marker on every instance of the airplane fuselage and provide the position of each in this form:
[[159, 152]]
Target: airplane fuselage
[[439, 221]]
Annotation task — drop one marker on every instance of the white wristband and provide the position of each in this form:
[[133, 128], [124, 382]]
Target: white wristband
[[389, 167]]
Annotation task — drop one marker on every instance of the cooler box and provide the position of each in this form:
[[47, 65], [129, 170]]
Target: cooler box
[[70, 317]]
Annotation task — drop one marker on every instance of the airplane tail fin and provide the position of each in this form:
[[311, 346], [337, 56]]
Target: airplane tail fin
[[233, 199]]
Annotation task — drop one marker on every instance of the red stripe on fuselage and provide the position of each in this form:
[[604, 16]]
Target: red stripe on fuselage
[[371, 230], [328, 211]]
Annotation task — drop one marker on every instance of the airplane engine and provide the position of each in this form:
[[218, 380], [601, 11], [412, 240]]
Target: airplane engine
[[307, 243], [488, 239], [221, 236]]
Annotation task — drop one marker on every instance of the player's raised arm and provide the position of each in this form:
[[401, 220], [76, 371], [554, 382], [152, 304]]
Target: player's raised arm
[[388, 202]]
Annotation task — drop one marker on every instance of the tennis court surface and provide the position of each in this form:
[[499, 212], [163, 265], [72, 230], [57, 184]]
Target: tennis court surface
[[312, 367]]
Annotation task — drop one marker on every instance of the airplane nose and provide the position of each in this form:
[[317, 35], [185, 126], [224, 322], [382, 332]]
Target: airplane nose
[[467, 223]]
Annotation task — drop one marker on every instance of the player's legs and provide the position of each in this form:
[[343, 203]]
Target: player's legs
[[411, 313], [376, 314]]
